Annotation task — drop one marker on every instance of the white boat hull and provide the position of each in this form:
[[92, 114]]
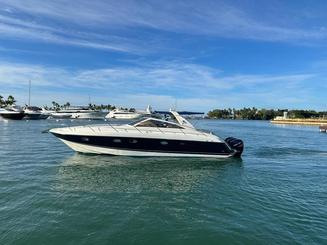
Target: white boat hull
[[61, 115], [124, 116], [87, 115]]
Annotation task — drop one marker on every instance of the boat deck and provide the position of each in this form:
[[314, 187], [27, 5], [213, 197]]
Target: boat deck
[[131, 131]]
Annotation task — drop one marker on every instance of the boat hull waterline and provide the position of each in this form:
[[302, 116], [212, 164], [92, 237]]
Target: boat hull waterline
[[125, 146], [13, 115], [89, 149], [148, 147], [36, 116]]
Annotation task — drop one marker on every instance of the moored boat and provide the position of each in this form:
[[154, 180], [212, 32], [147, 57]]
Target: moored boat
[[35, 113], [149, 137], [323, 128], [77, 113], [127, 114], [13, 113], [88, 114]]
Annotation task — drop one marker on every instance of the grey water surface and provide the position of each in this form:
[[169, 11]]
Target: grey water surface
[[275, 194]]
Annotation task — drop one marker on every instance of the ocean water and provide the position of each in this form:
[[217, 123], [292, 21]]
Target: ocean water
[[275, 194]]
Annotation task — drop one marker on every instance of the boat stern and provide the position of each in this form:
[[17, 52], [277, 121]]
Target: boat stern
[[236, 144]]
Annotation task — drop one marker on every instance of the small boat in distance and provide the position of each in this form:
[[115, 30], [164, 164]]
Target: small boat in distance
[[149, 137], [89, 114], [127, 114], [78, 112], [35, 113], [61, 114], [323, 128], [12, 112]]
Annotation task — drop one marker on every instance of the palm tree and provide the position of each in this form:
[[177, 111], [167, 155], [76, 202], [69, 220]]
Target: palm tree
[[10, 100], [55, 105], [67, 104], [2, 102]]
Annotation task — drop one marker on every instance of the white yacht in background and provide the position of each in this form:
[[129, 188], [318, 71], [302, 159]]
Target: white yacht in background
[[129, 115], [77, 113], [61, 114], [35, 113], [149, 137], [88, 114], [12, 112]]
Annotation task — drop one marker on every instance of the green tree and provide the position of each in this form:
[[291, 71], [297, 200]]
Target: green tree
[[10, 100], [2, 102], [67, 104], [245, 113], [55, 105]]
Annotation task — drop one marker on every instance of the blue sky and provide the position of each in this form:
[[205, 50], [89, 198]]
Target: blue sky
[[202, 54]]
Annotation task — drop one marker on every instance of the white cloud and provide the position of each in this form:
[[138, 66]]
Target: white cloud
[[15, 28], [194, 86], [18, 75], [83, 23], [288, 80], [170, 76]]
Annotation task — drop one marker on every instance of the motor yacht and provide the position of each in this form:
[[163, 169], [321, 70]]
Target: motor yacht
[[77, 113], [129, 115], [35, 113], [62, 114], [149, 137], [13, 113], [88, 114]]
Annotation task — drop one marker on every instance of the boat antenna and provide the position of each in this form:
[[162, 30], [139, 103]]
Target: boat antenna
[[175, 105], [29, 93]]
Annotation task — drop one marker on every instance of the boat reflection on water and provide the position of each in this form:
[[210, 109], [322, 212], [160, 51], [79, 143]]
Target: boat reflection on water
[[98, 173]]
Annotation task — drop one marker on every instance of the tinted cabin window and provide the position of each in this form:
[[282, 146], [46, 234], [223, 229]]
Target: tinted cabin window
[[148, 123], [157, 124]]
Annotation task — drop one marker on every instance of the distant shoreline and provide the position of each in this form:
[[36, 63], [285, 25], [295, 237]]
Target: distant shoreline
[[295, 121]]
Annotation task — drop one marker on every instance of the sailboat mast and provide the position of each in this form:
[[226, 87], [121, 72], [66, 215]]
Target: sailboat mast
[[29, 93]]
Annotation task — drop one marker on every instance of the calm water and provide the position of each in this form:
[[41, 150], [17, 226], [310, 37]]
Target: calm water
[[276, 194]]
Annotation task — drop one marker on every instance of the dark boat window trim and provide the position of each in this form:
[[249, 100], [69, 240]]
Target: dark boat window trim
[[157, 124]]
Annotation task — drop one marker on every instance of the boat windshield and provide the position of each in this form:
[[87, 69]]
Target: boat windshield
[[137, 121], [156, 124]]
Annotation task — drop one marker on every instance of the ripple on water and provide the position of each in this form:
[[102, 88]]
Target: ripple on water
[[275, 194]]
